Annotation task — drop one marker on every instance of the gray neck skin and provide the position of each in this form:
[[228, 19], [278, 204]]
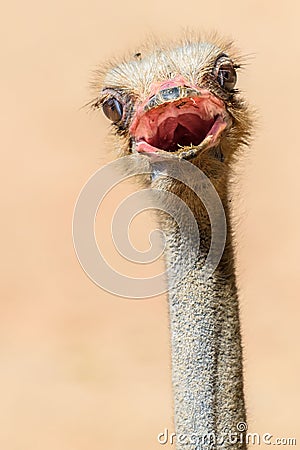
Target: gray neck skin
[[206, 346]]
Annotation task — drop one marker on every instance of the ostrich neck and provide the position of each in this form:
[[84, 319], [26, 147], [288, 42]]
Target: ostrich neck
[[206, 346]]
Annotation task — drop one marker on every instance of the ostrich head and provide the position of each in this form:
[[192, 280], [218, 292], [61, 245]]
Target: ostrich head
[[177, 102]]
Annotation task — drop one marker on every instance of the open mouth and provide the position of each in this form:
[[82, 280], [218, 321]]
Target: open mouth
[[183, 127]]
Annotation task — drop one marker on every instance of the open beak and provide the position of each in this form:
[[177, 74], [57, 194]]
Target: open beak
[[178, 119]]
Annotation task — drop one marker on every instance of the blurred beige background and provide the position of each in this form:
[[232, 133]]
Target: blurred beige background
[[82, 369]]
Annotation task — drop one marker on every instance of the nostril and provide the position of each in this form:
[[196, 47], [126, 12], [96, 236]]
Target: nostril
[[170, 94]]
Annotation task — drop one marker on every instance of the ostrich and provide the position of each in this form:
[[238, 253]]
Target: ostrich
[[175, 103]]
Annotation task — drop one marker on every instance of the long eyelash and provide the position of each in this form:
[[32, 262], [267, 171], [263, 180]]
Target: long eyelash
[[96, 104], [104, 95], [91, 104]]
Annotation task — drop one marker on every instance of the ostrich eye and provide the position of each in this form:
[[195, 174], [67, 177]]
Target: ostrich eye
[[225, 73], [113, 109]]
